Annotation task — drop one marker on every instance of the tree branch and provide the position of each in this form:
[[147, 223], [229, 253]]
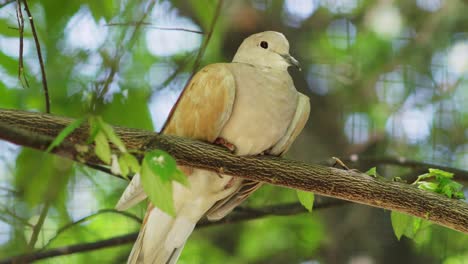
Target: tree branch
[[37, 130], [67, 250], [404, 162], [238, 215]]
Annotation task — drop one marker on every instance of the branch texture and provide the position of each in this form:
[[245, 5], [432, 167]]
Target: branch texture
[[37, 130]]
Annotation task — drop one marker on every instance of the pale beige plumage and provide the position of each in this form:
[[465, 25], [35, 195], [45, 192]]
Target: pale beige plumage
[[251, 103]]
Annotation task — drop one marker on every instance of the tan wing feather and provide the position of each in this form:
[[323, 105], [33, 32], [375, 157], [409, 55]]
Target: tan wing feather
[[225, 206], [201, 112], [205, 106]]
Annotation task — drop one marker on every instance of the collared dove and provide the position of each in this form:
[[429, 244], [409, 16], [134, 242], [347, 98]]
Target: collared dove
[[250, 106]]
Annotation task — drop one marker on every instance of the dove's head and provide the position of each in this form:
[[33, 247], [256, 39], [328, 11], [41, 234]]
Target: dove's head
[[268, 49]]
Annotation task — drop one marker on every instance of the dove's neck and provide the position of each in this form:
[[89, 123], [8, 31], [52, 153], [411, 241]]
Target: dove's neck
[[272, 62]]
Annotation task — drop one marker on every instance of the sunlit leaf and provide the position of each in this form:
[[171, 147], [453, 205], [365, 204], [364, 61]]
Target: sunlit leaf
[[65, 132], [132, 162], [440, 181], [372, 172], [306, 199], [110, 134], [428, 186], [124, 166], [102, 148], [94, 129], [402, 224], [441, 173], [158, 190], [161, 164]]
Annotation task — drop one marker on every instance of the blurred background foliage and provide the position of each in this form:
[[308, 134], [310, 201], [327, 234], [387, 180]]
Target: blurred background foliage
[[385, 78]]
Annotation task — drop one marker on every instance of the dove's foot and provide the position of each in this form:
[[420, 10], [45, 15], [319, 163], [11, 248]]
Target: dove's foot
[[225, 143]]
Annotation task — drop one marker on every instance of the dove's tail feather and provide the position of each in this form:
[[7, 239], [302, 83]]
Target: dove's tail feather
[[132, 195], [161, 239]]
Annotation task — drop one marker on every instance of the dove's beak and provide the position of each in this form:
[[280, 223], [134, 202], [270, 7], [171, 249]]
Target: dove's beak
[[291, 60]]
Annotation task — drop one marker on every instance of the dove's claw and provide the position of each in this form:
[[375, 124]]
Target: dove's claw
[[225, 143]]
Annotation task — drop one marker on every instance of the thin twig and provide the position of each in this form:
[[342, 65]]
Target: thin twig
[[67, 250], [12, 191], [240, 214], [23, 221], [171, 77], [120, 52], [197, 62], [38, 226], [6, 3], [136, 23], [20, 20], [39, 55], [88, 217]]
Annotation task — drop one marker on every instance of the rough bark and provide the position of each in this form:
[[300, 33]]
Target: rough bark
[[37, 130]]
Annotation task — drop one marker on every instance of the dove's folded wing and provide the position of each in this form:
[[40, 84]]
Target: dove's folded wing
[[297, 124], [200, 113], [205, 105], [225, 206]]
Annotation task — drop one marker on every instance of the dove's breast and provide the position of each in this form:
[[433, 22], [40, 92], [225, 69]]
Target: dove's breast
[[264, 105]]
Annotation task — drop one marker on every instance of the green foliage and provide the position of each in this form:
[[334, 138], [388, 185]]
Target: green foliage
[[372, 172], [283, 239], [102, 147], [128, 164], [441, 182], [44, 177], [110, 134], [409, 226], [65, 132], [306, 199], [158, 170], [436, 180], [102, 133]]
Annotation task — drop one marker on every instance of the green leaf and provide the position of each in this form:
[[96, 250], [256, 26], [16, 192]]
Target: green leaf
[[428, 186], [459, 195], [158, 171], [132, 162], [128, 164], [423, 177], [306, 199], [110, 133], [440, 182], [40, 176], [421, 229], [102, 148], [402, 224], [372, 172], [65, 132], [180, 177], [124, 167], [161, 164], [441, 173], [158, 190], [94, 129]]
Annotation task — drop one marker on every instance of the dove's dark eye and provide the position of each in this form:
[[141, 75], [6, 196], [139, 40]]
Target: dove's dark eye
[[264, 44]]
